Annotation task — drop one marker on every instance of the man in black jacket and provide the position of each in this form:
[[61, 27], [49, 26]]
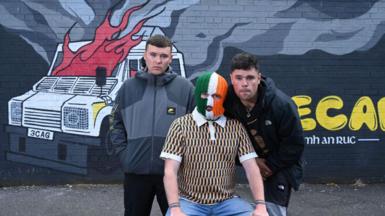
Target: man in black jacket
[[273, 124]]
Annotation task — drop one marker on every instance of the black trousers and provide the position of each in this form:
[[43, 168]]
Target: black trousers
[[139, 192], [277, 189]]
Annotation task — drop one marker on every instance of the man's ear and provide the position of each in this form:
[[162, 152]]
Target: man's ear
[[144, 56], [231, 78], [142, 62], [259, 77], [169, 62]]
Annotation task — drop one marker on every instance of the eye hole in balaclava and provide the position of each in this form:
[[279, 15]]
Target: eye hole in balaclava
[[214, 87]]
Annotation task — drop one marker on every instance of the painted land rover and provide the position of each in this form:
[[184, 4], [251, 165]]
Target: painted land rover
[[62, 123]]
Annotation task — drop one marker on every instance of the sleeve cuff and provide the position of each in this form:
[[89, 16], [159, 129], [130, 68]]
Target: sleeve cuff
[[248, 156], [165, 155]]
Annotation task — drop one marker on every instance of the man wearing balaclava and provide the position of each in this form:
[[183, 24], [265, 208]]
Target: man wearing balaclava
[[199, 153]]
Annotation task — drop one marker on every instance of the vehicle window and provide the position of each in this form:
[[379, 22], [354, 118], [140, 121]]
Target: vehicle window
[[133, 67], [58, 61], [115, 71], [86, 71], [175, 64]]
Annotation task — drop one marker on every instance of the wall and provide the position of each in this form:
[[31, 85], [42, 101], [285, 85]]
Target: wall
[[327, 55]]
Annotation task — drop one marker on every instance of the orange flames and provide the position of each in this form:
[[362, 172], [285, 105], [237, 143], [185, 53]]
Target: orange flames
[[105, 50]]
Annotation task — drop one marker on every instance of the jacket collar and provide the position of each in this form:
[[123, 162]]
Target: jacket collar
[[160, 79]]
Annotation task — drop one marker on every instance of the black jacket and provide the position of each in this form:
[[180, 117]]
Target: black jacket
[[276, 120]]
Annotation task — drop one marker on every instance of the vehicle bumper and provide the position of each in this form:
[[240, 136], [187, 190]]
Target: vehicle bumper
[[66, 152]]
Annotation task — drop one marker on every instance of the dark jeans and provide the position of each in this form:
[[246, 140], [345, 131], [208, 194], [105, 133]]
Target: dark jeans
[[139, 192]]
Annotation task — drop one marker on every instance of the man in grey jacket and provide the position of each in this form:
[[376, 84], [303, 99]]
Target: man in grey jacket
[[145, 107]]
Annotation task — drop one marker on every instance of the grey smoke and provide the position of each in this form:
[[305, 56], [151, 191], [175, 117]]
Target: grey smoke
[[288, 27], [162, 10], [204, 28], [79, 9], [43, 24]]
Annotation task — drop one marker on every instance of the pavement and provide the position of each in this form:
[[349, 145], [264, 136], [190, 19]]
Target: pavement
[[102, 200]]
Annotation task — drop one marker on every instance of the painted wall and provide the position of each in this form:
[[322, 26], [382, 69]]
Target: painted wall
[[328, 55]]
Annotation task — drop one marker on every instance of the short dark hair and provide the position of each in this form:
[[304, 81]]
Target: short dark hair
[[160, 41], [244, 61]]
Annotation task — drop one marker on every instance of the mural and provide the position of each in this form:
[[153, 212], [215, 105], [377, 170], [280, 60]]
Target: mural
[[62, 123], [328, 55]]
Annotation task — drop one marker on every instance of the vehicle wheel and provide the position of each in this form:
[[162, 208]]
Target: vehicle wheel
[[102, 158]]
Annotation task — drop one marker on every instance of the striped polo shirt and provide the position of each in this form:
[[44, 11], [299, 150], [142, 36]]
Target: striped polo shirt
[[207, 171]]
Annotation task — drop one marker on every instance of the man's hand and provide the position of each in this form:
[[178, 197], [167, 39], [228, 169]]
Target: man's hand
[[260, 210], [177, 212], [265, 170]]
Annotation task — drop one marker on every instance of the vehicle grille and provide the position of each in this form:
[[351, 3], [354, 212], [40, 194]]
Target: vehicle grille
[[45, 119]]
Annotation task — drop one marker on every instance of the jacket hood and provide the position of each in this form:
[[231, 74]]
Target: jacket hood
[[269, 91], [160, 79]]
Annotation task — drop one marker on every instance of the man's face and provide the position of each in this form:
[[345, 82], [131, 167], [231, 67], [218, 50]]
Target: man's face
[[157, 59], [245, 83]]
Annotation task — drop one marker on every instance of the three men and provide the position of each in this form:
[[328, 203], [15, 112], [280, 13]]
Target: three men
[[206, 140], [200, 151], [145, 107], [272, 122]]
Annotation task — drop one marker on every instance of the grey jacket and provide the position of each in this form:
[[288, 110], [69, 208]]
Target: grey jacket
[[145, 107]]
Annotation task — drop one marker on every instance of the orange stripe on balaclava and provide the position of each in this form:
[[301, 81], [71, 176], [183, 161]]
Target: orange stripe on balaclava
[[221, 90]]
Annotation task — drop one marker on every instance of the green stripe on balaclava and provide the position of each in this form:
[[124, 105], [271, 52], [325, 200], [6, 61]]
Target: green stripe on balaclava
[[201, 86]]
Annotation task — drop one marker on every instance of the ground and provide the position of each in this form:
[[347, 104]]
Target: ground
[[101, 200]]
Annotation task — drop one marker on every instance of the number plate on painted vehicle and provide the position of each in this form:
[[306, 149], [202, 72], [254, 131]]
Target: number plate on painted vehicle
[[40, 134]]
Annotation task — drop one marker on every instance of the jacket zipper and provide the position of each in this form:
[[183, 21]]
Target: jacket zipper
[[153, 125]]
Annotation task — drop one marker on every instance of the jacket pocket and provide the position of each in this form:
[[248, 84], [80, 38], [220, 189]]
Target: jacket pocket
[[136, 157]]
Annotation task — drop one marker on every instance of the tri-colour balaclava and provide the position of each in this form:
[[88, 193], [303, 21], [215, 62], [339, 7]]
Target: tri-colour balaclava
[[210, 83]]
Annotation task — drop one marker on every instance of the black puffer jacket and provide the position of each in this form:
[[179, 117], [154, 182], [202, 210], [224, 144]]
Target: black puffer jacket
[[276, 120]]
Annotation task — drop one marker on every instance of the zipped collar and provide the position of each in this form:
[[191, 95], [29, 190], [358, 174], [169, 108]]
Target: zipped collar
[[158, 80]]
